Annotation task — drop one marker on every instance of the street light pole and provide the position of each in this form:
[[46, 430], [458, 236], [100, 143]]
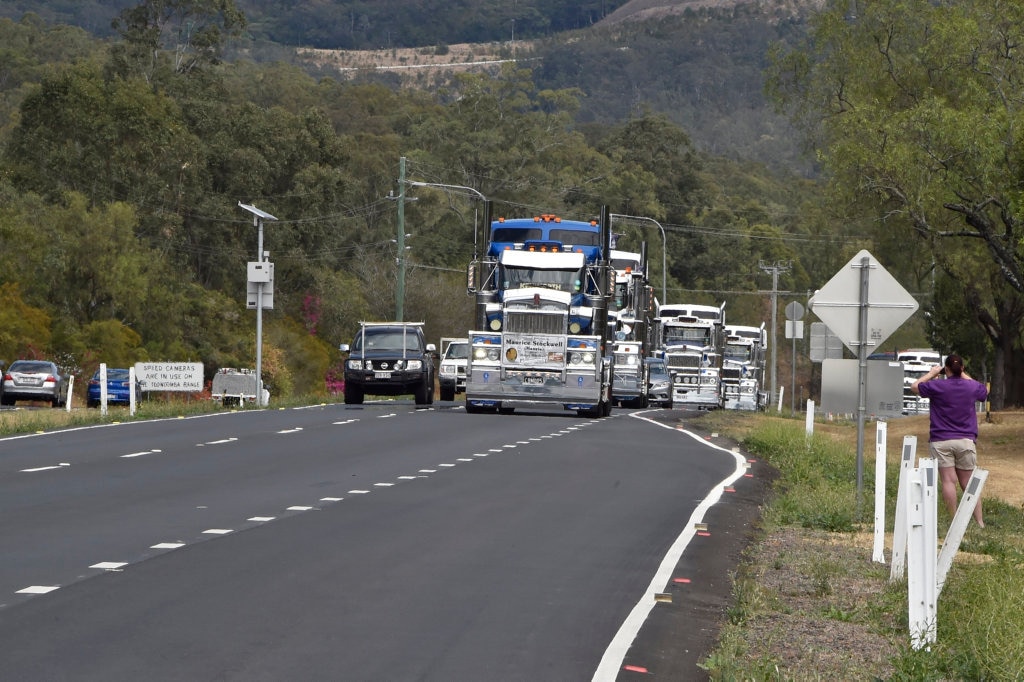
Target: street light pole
[[400, 290], [664, 248], [258, 217]]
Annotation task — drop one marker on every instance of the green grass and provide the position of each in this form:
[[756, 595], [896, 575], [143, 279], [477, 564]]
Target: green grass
[[23, 420], [980, 629]]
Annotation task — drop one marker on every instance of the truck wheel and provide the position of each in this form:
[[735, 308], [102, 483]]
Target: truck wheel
[[353, 394], [447, 393], [423, 393]]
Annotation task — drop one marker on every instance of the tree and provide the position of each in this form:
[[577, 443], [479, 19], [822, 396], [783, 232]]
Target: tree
[[184, 35], [916, 110], [23, 328]]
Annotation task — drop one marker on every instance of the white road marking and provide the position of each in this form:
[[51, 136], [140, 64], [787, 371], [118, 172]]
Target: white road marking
[[47, 468], [140, 454], [465, 459], [383, 485], [523, 442], [110, 565], [298, 508], [347, 421], [358, 492], [509, 447], [407, 478], [494, 450], [428, 471], [167, 545], [217, 531], [218, 442], [386, 416], [445, 465], [480, 454], [261, 519], [295, 430], [331, 499], [38, 589]]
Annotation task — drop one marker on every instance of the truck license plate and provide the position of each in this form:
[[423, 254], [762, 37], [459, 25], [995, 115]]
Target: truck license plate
[[382, 375], [533, 380]]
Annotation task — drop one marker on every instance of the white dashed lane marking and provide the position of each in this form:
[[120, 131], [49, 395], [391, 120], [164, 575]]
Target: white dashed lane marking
[[218, 442], [38, 589], [140, 454], [117, 566], [46, 468]]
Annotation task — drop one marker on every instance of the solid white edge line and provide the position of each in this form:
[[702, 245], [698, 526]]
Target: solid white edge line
[[611, 662]]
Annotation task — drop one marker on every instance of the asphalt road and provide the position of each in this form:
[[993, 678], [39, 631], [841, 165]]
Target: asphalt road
[[375, 543]]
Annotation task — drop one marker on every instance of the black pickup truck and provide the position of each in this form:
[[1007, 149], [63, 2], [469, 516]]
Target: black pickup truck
[[388, 359]]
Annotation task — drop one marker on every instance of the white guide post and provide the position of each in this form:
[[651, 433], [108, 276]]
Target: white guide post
[[809, 419], [103, 389], [899, 529], [131, 390], [922, 513], [881, 430], [71, 389], [955, 534]]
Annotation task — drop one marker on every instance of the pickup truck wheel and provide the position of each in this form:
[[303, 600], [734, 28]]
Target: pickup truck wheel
[[448, 393], [423, 393], [353, 394]]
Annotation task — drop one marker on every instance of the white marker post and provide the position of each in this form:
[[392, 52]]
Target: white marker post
[[71, 390], [809, 419], [103, 389], [899, 529], [131, 391], [881, 430], [922, 513], [955, 534]]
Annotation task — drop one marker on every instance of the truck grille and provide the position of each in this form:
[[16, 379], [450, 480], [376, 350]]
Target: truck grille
[[536, 322], [684, 361], [730, 374]]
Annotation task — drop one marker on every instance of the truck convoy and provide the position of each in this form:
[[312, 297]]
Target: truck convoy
[[916, 363], [743, 361], [690, 337], [543, 291], [629, 321]]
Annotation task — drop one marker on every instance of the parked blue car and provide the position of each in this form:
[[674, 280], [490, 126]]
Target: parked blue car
[[118, 388]]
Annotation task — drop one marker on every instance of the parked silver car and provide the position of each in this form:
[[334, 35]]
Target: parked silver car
[[34, 380]]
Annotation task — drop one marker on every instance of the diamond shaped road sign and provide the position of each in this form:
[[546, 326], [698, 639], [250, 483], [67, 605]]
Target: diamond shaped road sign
[[838, 303]]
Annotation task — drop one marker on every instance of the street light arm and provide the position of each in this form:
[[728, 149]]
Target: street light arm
[[416, 183]]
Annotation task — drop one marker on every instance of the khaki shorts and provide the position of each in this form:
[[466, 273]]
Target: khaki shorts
[[959, 453]]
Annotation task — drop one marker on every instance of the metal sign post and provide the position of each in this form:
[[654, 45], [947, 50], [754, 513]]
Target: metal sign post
[[880, 311], [794, 330]]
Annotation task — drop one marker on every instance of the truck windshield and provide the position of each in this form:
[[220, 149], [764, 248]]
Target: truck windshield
[[522, 278], [389, 341], [576, 237], [683, 334], [735, 351]]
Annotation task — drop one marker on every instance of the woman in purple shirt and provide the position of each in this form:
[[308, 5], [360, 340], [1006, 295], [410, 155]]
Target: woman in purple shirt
[[954, 425]]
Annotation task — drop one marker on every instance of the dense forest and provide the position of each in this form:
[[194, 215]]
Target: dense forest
[[358, 24], [123, 162]]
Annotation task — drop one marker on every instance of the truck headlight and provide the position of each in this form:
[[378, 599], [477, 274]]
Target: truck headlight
[[413, 365], [447, 370], [354, 364]]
